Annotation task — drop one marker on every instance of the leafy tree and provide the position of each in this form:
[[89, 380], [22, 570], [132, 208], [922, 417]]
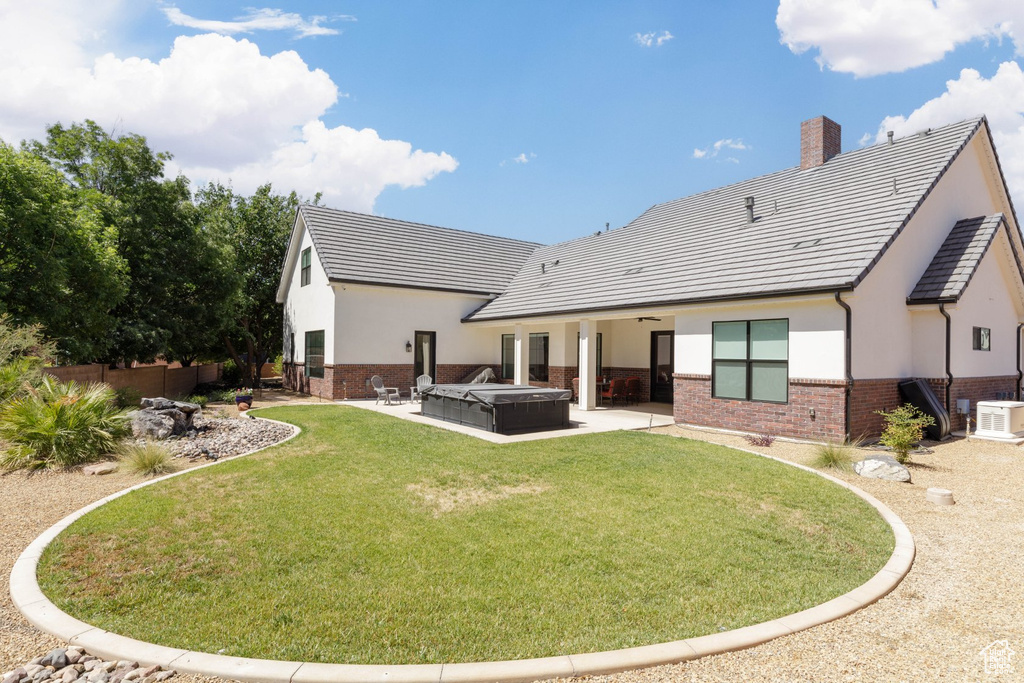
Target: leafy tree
[[59, 265], [23, 352], [257, 229], [175, 270]]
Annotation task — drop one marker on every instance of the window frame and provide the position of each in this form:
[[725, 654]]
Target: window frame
[[546, 364], [979, 337], [511, 361], [306, 266], [749, 362], [310, 369]]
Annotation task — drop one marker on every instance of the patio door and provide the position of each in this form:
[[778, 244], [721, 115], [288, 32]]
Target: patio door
[[425, 361], [661, 366]]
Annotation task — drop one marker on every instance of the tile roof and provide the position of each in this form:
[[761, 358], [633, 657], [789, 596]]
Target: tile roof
[[817, 229], [954, 264], [355, 247]]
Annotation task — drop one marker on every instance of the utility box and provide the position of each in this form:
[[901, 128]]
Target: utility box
[[1000, 420]]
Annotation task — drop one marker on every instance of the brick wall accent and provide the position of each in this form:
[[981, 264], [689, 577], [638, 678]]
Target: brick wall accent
[[453, 374], [978, 389], [867, 396], [644, 374], [820, 140], [694, 405]]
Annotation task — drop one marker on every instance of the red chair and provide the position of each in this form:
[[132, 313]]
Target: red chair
[[633, 389], [616, 390]]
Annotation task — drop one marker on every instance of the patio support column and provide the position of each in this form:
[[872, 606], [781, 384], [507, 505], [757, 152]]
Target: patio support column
[[522, 359], [588, 365]]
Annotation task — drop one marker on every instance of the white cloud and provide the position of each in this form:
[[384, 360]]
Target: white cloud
[[712, 150], [523, 158], [1000, 98], [257, 20], [870, 37], [220, 106], [652, 39]]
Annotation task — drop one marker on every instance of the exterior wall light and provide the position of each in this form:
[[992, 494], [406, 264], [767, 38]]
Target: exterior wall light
[[408, 347]]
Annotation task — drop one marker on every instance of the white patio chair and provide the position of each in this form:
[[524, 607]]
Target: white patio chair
[[422, 382], [383, 392]]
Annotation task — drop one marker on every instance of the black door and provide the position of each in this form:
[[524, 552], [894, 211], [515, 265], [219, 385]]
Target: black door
[[425, 362], [661, 367]]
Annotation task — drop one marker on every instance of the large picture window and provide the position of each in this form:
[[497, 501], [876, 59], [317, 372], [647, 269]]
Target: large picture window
[[307, 265], [539, 356], [314, 355], [751, 360], [508, 356]]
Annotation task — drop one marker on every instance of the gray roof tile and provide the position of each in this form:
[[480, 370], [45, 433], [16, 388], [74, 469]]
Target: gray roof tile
[[955, 262], [355, 247], [819, 228]]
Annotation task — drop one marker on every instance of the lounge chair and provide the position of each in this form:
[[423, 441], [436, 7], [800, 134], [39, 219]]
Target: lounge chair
[[422, 382], [616, 390], [633, 390], [383, 392]]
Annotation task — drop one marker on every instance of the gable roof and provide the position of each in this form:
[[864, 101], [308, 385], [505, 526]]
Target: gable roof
[[359, 248], [957, 259], [816, 229]]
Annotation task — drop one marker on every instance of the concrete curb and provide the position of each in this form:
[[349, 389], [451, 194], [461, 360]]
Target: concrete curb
[[44, 615]]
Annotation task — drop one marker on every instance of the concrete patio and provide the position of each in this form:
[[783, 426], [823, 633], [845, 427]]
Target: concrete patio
[[602, 419]]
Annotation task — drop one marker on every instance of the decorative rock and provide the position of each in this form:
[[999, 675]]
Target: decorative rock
[[98, 468], [15, 675], [161, 418], [243, 406], [149, 670], [882, 467], [57, 658], [164, 675]]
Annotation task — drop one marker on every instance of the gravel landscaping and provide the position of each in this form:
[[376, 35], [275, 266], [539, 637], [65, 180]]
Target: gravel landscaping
[[964, 591]]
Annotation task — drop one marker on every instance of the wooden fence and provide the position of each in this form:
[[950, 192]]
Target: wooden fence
[[150, 381]]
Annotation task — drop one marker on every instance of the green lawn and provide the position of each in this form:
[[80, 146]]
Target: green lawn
[[374, 540]]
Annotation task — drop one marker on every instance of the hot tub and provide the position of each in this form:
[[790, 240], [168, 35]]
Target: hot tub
[[499, 408]]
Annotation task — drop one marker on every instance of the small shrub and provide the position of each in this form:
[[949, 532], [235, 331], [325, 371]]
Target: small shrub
[[834, 455], [764, 440], [224, 395], [60, 425], [279, 365], [149, 458], [199, 399], [231, 374], [904, 427], [127, 397], [23, 353]]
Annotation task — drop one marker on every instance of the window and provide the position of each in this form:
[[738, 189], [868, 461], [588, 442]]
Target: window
[[599, 363], [291, 348], [508, 356], [315, 354], [539, 356], [307, 258], [751, 360], [982, 339]]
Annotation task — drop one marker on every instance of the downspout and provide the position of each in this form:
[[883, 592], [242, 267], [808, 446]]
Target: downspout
[[1020, 373], [949, 374], [848, 360]]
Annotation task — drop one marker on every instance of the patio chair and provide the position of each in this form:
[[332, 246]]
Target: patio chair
[[383, 392], [422, 382], [633, 389], [575, 389], [616, 390]]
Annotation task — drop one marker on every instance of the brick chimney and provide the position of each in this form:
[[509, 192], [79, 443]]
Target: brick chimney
[[820, 140]]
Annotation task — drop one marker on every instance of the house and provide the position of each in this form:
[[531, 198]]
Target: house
[[792, 303]]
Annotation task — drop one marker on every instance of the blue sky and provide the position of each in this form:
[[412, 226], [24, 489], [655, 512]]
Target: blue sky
[[538, 120]]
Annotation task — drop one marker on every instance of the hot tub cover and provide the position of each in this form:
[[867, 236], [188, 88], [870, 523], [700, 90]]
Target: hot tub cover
[[494, 394]]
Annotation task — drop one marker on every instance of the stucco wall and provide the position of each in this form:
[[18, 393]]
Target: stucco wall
[[816, 335], [374, 323], [884, 343], [309, 308]]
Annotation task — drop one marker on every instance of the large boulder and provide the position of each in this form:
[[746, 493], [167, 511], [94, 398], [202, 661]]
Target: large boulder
[[882, 467], [162, 418]]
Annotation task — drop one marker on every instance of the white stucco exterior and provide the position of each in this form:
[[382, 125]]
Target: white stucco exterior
[[308, 308]]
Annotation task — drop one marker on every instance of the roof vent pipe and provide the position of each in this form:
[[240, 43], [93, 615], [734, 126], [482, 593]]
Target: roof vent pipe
[[748, 202], [890, 136]]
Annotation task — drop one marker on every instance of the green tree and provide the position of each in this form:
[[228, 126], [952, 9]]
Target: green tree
[[257, 229], [23, 353], [175, 269], [59, 263]]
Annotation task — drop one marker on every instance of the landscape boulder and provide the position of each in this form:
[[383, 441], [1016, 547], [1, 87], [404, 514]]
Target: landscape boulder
[[882, 467], [99, 468], [162, 418]]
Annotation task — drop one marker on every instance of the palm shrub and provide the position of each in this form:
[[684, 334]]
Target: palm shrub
[[904, 427], [149, 458], [23, 353], [60, 425]]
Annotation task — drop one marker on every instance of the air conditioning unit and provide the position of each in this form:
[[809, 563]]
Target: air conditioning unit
[[1000, 420]]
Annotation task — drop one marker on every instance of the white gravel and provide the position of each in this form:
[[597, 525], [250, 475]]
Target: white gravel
[[965, 591]]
